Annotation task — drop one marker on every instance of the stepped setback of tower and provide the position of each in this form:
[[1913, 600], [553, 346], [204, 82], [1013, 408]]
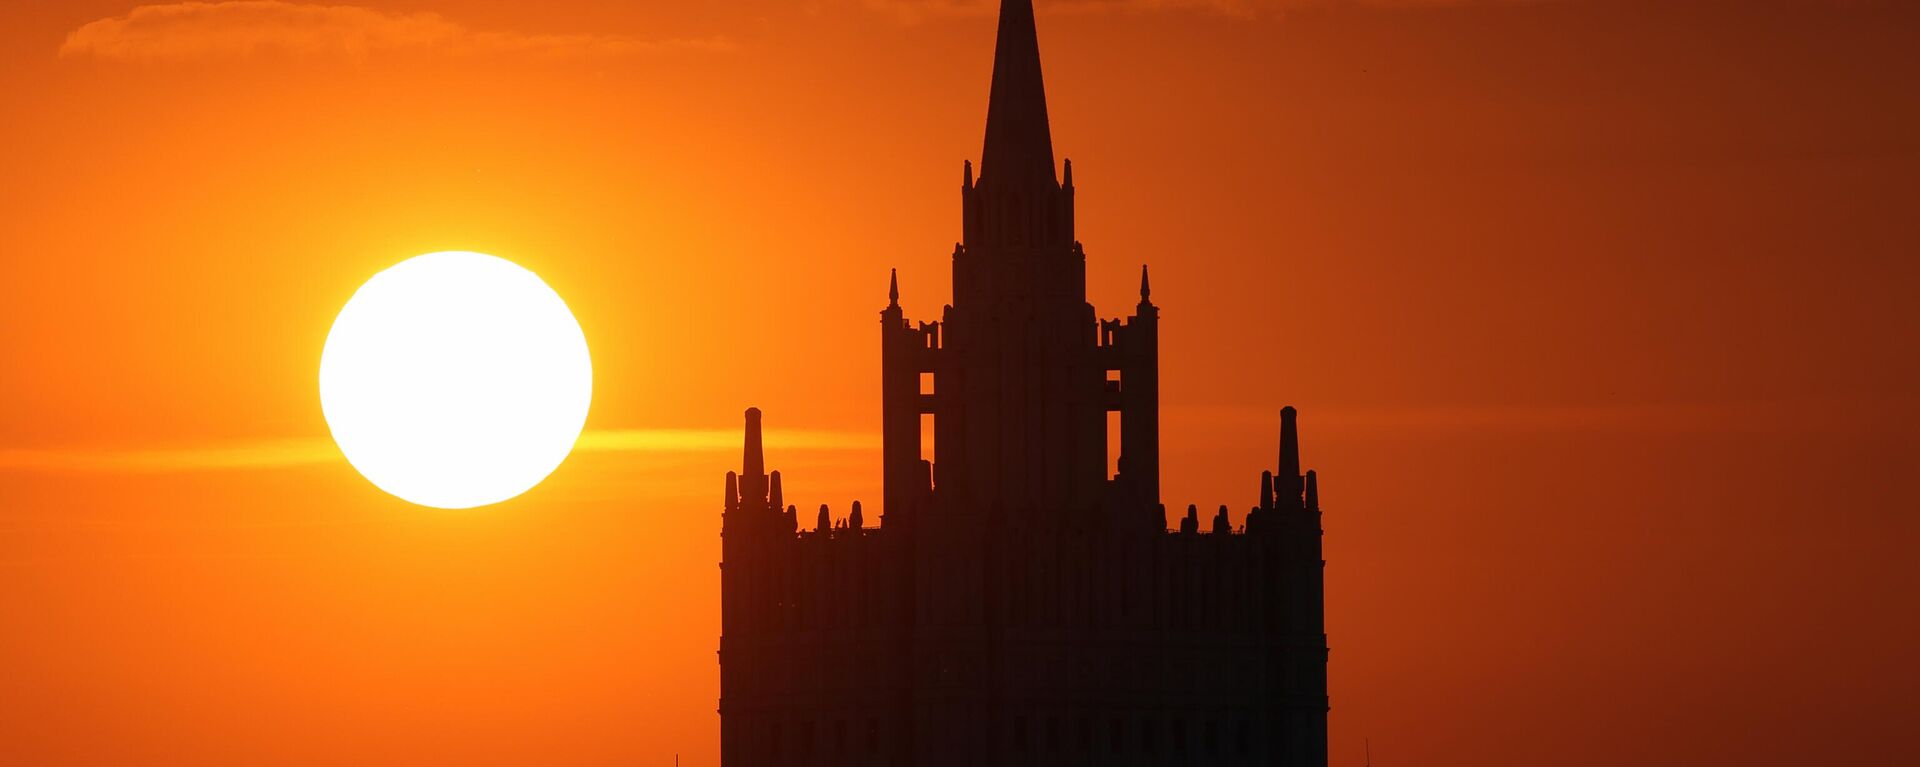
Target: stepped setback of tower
[[1016, 600]]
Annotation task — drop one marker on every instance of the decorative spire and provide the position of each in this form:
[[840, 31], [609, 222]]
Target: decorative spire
[[774, 501], [1289, 448], [893, 288], [823, 522], [1066, 174], [966, 174], [1266, 489], [1220, 524], [1019, 145], [856, 520], [1313, 491], [1146, 289], [733, 491], [753, 469]]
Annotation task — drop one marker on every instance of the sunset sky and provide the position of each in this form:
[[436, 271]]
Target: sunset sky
[[1603, 319]]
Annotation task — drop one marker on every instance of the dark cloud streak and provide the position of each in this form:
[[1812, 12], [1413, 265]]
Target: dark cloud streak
[[240, 29]]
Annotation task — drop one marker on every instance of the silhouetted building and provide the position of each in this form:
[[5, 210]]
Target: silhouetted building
[[1017, 604]]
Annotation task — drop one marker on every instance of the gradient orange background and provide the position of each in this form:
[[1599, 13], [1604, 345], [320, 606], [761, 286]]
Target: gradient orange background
[[1601, 317]]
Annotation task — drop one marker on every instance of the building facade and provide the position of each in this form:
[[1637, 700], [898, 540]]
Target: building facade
[[1016, 601]]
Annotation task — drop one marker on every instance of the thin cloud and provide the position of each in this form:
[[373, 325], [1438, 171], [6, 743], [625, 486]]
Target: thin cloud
[[265, 454], [238, 29], [720, 440], [293, 453], [915, 10], [1593, 418]]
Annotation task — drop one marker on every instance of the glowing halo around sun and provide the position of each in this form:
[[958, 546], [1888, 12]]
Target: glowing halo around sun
[[455, 380]]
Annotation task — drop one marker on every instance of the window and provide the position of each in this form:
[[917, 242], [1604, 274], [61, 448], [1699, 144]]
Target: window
[[926, 436]]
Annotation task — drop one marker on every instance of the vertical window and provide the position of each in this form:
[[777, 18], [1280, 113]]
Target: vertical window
[[926, 436], [1113, 442], [926, 419]]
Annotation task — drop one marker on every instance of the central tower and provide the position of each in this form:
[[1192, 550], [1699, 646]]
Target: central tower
[[1021, 602], [1019, 386]]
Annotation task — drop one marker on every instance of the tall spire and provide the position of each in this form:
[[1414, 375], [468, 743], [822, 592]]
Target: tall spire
[[1289, 476], [753, 470], [1019, 147], [1146, 290], [893, 288]]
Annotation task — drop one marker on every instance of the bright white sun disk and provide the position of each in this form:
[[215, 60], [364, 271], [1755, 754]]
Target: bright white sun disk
[[455, 380]]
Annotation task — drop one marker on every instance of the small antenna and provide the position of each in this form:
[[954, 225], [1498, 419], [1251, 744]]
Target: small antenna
[[1367, 741]]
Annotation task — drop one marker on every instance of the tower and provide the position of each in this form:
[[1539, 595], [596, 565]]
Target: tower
[[1018, 366], [1021, 601]]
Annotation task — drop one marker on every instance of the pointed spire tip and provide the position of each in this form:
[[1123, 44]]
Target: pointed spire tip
[[1019, 141]]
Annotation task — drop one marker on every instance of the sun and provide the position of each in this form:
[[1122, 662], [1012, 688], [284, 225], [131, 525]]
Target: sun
[[455, 380]]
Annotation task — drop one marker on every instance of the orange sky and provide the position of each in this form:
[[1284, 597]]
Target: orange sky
[[1600, 317]]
